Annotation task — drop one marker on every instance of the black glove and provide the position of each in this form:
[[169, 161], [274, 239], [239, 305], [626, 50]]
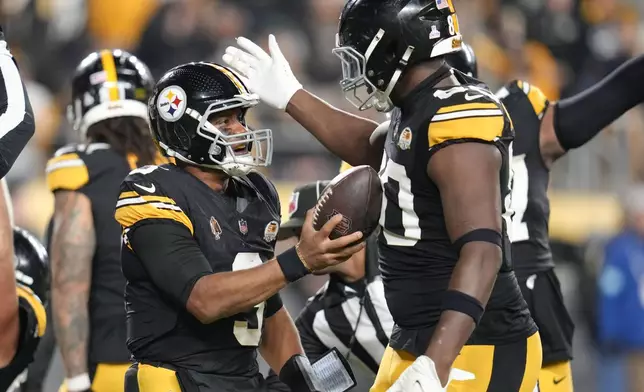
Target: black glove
[[298, 374]]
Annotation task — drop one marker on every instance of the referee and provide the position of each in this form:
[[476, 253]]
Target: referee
[[349, 312], [22, 319]]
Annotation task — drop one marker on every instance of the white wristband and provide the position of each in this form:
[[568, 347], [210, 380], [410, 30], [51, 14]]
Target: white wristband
[[78, 383]]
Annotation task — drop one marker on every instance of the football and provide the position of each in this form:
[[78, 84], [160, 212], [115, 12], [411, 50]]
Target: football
[[356, 194]]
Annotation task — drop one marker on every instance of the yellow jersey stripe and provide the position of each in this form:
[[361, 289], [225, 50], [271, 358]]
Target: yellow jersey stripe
[[37, 306], [129, 215], [67, 172], [109, 66], [482, 128], [233, 78], [538, 99], [345, 166], [451, 6], [467, 106], [125, 195]]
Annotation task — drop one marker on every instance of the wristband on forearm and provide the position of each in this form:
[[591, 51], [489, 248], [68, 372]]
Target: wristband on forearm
[[293, 264]]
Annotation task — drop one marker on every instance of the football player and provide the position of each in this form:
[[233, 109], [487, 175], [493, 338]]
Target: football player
[[202, 283], [545, 132], [32, 281], [18, 322], [444, 250], [110, 89], [350, 312]]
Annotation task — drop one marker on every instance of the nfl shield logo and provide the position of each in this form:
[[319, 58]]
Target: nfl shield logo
[[243, 227]]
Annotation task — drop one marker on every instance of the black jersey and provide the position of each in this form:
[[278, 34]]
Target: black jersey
[[417, 256], [235, 230], [33, 322], [526, 105], [96, 170]]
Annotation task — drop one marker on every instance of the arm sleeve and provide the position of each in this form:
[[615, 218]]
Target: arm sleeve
[[171, 257], [16, 116], [579, 118]]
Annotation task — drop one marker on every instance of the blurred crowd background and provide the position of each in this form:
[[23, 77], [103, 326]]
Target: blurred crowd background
[[562, 46]]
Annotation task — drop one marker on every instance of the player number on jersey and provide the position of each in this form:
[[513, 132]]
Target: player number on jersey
[[451, 25], [519, 230], [391, 172], [248, 326]]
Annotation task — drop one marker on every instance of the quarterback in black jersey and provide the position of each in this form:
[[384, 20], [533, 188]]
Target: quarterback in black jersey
[[461, 321], [198, 241], [545, 131], [32, 285], [110, 89]]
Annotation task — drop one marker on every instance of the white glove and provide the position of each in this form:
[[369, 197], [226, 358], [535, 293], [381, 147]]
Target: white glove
[[421, 376], [268, 76]]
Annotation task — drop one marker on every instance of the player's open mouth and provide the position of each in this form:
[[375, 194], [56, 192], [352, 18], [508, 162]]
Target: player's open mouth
[[240, 149]]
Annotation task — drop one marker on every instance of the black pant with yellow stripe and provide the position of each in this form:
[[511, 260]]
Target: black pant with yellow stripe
[[106, 377], [142, 377], [542, 292], [496, 368]]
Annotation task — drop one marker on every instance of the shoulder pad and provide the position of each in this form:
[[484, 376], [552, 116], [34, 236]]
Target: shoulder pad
[[468, 112], [142, 197], [266, 187], [67, 170], [33, 306], [537, 98]]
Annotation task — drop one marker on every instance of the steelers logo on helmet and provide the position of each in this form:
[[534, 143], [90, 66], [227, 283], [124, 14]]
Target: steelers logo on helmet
[[171, 103]]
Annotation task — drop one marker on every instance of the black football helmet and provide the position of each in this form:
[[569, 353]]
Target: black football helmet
[[31, 263], [183, 102], [109, 84], [379, 39], [464, 61]]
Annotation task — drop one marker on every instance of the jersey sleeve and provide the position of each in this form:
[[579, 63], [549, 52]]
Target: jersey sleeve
[[67, 170], [482, 120], [143, 200], [537, 98]]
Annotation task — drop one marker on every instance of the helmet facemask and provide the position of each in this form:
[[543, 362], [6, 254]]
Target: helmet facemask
[[234, 154], [357, 87]]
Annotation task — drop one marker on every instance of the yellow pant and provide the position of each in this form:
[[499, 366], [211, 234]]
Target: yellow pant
[[556, 378], [108, 378], [508, 368]]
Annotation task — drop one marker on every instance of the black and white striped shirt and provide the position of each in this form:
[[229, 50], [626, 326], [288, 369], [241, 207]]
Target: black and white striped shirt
[[16, 116], [353, 317]]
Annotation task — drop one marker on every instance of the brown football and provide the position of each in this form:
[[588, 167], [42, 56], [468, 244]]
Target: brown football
[[356, 194]]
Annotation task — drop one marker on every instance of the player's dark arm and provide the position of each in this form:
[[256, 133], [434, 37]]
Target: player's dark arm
[[16, 116], [73, 242], [9, 320], [342, 133], [177, 266], [467, 176], [573, 121], [280, 340]]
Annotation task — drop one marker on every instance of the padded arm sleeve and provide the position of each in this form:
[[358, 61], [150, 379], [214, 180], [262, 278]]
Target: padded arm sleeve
[[171, 256], [579, 118]]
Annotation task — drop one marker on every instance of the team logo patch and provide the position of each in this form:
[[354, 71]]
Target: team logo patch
[[243, 226], [171, 103], [270, 232], [434, 33], [344, 226], [292, 205], [404, 140], [215, 228], [440, 4]]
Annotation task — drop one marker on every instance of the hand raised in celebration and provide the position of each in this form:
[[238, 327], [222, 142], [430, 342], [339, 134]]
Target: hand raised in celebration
[[319, 251], [267, 75]]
